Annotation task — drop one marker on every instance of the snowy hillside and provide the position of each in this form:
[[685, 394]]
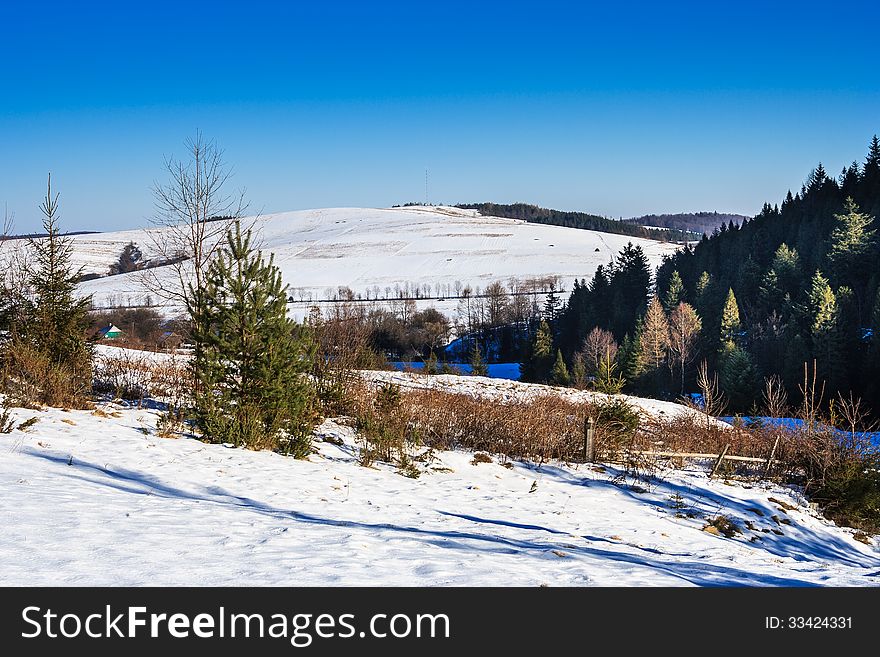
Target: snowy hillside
[[384, 251], [97, 498]]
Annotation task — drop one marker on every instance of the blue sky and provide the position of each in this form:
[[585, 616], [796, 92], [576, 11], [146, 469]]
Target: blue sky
[[617, 108]]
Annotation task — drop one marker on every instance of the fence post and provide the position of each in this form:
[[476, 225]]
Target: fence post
[[589, 440], [770, 460], [718, 462]]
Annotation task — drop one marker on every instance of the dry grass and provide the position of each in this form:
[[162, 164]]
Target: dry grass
[[539, 430], [29, 379]]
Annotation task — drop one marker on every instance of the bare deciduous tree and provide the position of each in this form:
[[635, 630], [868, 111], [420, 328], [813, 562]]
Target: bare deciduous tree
[[684, 335], [775, 397], [193, 212], [497, 304], [598, 345], [714, 402]]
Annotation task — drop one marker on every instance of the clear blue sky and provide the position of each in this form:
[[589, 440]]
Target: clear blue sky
[[615, 108]]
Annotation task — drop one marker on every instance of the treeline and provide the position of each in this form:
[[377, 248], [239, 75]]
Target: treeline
[[581, 220], [805, 280], [798, 285], [699, 223]]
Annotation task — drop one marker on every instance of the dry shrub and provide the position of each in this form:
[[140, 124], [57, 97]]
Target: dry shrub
[[30, 379], [343, 346], [125, 374], [541, 429], [135, 376]]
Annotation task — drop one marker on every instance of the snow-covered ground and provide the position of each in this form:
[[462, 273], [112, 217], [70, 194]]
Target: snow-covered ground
[[97, 498], [384, 251]]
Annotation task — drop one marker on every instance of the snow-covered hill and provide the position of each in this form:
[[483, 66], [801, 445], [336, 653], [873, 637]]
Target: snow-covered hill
[[97, 498], [384, 251]]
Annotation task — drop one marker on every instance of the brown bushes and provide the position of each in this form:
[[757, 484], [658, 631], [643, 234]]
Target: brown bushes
[[29, 378], [135, 375], [542, 429]]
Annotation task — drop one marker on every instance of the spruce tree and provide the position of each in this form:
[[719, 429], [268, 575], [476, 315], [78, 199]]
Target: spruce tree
[[560, 375], [538, 362], [730, 324], [630, 285], [852, 247], [250, 360], [608, 379], [48, 342], [578, 373], [825, 331], [629, 356], [703, 296], [738, 376], [675, 293], [478, 365]]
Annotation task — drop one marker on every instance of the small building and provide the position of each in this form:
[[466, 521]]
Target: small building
[[169, 340], [111, 332]]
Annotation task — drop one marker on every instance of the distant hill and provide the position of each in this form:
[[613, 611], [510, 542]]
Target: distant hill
[[693, 222], [34, 236]]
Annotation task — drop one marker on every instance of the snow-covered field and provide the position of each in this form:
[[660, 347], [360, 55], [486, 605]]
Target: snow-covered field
[[382, 251], [97, 498]]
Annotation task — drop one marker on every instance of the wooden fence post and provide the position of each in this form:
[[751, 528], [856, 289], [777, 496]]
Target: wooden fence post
[[718, 462], [589, 440], [770, 460]]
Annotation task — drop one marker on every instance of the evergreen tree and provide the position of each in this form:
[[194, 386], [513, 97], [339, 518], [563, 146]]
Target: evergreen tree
[[703, 296], [823, 306], [578, 373], [871, 170], [825, 332], [48, 349], [250, 360], [477, 363], [551, 306], [629, 357], [538, 362], [730, 324], [787, 267], [608, 380], [852, 247], [737, 376], [675, 293], [560, 375], [59, 318], [630, 285], [131, 259]]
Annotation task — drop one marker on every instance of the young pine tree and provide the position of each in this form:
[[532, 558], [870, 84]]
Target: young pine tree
[[608, 380], [824, 329], [578, 372], [853, 247], [250, 360], [560, 375], [675, 293], [48, 352], [730, 324], [538, 361], [477, 363]]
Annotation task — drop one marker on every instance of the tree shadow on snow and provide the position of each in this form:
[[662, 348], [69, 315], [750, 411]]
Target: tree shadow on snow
[[692, 572]]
